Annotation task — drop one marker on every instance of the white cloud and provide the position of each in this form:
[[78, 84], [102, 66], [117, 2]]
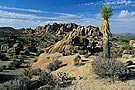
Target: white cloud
[[115, 3], [66, 15], [123, 21], [120, 2], [7, 14], [22, 9], [18, 15], [126, 13], [87, 4], [17, 23]]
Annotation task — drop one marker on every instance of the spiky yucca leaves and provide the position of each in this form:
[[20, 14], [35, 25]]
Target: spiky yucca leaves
[[106, 13], [27, 73]]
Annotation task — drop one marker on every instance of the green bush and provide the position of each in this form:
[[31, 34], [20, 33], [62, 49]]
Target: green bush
[[17, 84], [82, 52], [2, 55], [13, 65], [63, 76], [47, 79], [110, 68], [36, 71], [54, 65], [27, 73], [2, 68]]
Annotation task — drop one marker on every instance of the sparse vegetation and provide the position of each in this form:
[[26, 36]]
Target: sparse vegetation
[[82, 52], [2, 68], [63, 76], [2, 55], [27, 73], [54, 65], [110, 68], [36, 71], [64, 79], [17, 84], [47, 79]]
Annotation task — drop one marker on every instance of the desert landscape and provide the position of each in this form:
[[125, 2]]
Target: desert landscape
[[67, 56]]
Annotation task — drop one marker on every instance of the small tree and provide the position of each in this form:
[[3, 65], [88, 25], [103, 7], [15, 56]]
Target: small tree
[[106, 13]]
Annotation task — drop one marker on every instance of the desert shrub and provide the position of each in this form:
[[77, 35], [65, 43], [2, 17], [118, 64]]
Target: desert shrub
[[82, 52], [10, 66], [66, 53], [2, 68], [2, 55], [63, 76], [17, 63], [127, 47], [54, 65], [17, 84], [13, 65], [36, 71], [47, 79], [110, 68], [86, 55], [27, 73], [64, 79], [21, 60]]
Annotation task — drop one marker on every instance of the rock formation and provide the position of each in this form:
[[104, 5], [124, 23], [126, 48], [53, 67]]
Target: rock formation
[[132, 43], [55, 28], [76, 39]]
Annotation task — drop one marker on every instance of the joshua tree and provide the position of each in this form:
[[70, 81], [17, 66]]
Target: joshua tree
[[106, 13]]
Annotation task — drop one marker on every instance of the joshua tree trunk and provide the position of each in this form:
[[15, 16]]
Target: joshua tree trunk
[[106, 48], [106, 33]]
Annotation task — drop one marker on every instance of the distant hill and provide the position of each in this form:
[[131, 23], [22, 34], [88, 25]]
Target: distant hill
[[125, 34], [9, 31]]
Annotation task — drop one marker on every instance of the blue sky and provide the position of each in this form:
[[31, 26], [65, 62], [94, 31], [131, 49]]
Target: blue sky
[[32, 13]]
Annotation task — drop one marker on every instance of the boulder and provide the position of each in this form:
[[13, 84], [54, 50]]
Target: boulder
[[13, 50], [127, 56], [77, 60], [132, 43], [44, 59], [4, 47], [17, 47], [127, 52]]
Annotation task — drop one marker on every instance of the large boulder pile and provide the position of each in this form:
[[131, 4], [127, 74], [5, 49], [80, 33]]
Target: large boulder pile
[[76, 39], [55, 28]]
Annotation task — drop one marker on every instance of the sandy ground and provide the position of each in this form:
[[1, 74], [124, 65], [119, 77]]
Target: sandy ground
[[89, 80]]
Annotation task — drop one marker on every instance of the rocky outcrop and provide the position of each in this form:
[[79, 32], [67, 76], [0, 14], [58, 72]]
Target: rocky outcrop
[[77, 60], [4, 47], [44, 59], [28, 30], [17, 47], [55, 28], [76, 39], [132, 43]]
